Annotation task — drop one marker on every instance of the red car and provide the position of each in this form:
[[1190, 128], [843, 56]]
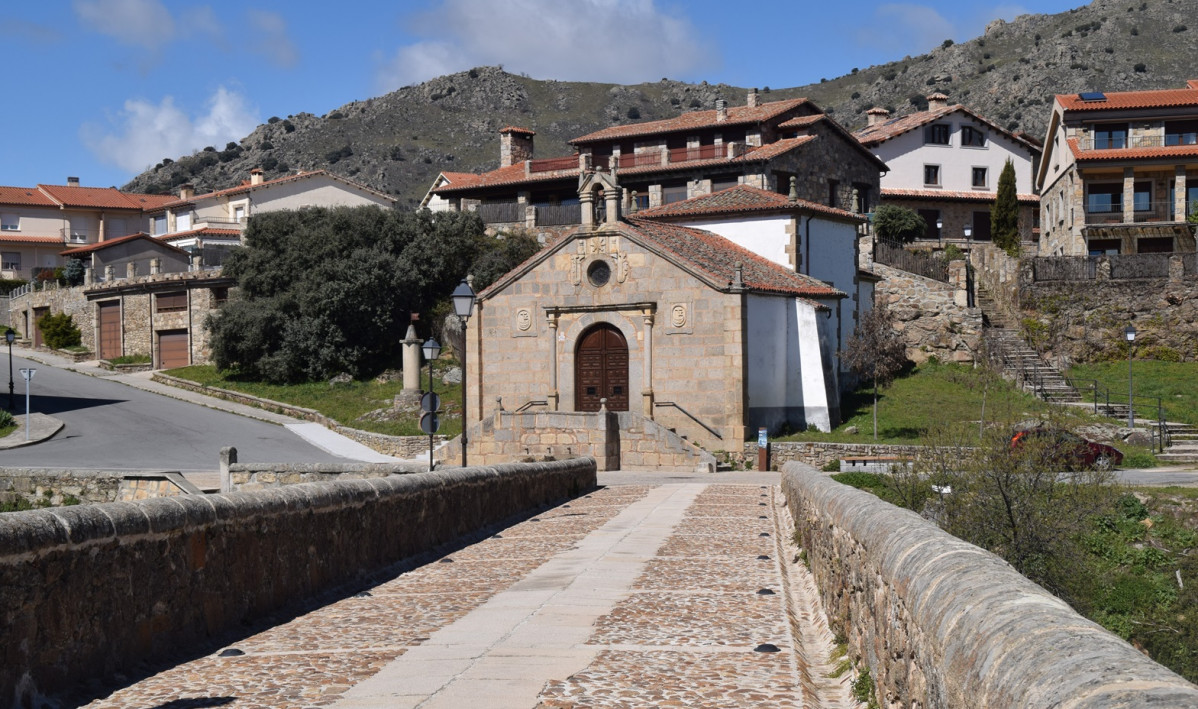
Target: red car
[[1070, 451]]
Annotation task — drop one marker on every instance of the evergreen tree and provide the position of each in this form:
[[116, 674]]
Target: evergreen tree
[[898, 224], [1004, 218]]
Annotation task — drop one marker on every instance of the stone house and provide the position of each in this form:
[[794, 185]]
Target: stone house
[[945, 163], [1120, 172], [656, 163], [208, 225], [36, 223], [128, 256], [667, 324]]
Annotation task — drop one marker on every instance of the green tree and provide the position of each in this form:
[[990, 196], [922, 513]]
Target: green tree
[[894, 223], [1004, 218], [73, 272], [59, 331], [875, 351], [329, 290]]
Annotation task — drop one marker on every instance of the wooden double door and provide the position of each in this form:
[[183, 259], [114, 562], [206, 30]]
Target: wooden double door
[[601, 369]]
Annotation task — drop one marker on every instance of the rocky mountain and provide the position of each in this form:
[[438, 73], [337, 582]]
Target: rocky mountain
[[397, 143]]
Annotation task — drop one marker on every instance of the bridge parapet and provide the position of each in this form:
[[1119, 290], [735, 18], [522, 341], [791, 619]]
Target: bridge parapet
[[942, 623], [90, 590]]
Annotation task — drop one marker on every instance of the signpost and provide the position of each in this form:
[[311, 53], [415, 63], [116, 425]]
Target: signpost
[[430, 420], [763, 449], [27, 374]]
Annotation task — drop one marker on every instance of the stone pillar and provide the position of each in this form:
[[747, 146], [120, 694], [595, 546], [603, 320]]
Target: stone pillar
[[411, 368], [612, 199], [131, 270], [1129, 195], [1179, 194], [155, 266], [587, 201], [228, 457], [554, 397], [87, 273], [109, 273], [647, 365], [197, 263]]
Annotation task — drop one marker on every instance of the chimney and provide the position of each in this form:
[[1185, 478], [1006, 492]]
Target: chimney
[[752, 103], [937, 101], [877, 115], [72, 182], [721, 110], [256, 176], [187, 191], [515, 145]]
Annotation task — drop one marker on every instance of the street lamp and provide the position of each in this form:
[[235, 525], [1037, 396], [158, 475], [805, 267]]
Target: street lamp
[[432, 350], [27, 374], [969, 235], [9, 336], [463, 305], [1130, 334], [939, 233]]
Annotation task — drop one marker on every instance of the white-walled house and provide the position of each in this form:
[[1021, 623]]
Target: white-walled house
[[808, 238], [945, 164]]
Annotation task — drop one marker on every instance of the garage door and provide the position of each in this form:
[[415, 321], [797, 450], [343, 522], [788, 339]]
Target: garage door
[[110, 329], [172, 349]]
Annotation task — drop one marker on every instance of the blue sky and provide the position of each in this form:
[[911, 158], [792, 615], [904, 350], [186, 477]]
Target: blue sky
[[106, 88]]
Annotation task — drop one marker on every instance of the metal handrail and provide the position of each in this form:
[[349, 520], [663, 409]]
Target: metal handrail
[[529, 404], [689, 415]]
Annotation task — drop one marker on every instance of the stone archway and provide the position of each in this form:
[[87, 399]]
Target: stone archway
[[601, 369]]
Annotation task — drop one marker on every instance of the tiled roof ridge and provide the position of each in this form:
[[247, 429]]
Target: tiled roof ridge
[[1144, 98], [873, 135], [114, 242], [736, 115], [978, 195], [770, 201]]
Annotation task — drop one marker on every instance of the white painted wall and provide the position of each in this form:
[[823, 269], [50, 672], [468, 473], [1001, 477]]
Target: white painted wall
[[907, 154], [785, 371], [764, 236]]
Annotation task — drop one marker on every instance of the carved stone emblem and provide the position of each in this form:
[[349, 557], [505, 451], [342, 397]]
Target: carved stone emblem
[[678, 315], [579, 256], [523, 319]]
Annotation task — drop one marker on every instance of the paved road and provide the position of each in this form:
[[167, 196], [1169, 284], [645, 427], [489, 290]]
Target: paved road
[[116, 427]]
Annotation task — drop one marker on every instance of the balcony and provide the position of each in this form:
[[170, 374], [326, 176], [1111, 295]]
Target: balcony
[[214, 223], [702, 152], [553, 164], [1141, 141], [640, 159], [79, 236], [559, 214], [1145, 212], [501, 213]]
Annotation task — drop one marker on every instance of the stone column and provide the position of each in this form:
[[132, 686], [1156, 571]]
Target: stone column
[[131, 270], [587, 201], [1129, 195], [647, 365], [554, 397], [109, 273], [411, 367], [87, 273], [228, 457], [1179, 193], [612, 199], [155, 266]]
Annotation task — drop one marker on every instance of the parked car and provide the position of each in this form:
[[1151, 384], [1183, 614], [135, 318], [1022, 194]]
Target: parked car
[[1067, 450]]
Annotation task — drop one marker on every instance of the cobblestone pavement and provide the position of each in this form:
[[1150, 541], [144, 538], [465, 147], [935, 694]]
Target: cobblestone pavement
[[690, 632]]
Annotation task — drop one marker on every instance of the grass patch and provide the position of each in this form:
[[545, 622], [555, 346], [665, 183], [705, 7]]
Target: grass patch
[[925, 396], [344, 403], [1173, 382], [131, 359]]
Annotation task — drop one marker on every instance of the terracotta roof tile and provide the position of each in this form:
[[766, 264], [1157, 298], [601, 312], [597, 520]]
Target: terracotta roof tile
[[114, 242], [1164, 151], [971, 196], [717, 257], [801, 121], [737, 115], [517, 129], [20, 239], [1134, 99], [738, 200], [90, 197], [25, 196], [872, 135], [245, 186]]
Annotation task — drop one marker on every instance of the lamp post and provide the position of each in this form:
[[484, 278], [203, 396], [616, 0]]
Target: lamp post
[[939, 233], [27, 374], [969, 236], [9, 336], [1130, 334], [463, 305], [432, 350]]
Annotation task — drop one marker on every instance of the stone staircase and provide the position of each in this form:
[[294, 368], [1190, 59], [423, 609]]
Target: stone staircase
[[1183, 444], [1017, 359]]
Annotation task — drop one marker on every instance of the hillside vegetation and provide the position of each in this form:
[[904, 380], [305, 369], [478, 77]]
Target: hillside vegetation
[[397, 143]]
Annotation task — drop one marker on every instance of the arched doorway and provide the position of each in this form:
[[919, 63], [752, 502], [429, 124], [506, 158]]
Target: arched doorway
[[601, 369]]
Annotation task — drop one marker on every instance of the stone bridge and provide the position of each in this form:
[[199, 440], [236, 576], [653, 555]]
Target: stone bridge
[[531, 586]]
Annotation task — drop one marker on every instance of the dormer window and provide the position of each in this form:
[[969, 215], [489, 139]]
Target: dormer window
[[936, 134]]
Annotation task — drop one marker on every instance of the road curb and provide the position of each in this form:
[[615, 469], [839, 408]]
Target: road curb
[[41, 428]]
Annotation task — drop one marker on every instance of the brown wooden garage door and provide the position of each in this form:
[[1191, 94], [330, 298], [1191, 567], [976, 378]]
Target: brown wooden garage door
[[172, 349], [110, 329]]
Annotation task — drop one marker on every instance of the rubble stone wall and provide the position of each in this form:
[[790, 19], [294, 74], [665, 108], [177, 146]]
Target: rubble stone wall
[[929, 315], [91, 590], [941, 623]]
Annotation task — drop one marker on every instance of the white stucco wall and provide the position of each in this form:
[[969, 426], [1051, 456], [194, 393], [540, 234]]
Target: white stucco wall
[[907, 154], [785, 374], [764, 236], [317, 191]]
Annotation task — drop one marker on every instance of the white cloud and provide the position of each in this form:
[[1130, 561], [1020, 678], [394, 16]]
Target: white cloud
[[272, 40], [905, 28], [146, 132], [624, 41], [140, 23]]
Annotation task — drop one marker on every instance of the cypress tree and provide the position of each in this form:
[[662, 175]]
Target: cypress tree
[[1004, 218]]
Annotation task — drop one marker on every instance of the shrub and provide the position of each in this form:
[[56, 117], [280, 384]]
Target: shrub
[[8, 285], [946, 44], [72, 272], [634, 112], [272, 120], [1140, 68], [59, 331], [6, 419], [832, 466], [895, 223], [1180, 28], [336, 116], [267, 145], [288, 127]]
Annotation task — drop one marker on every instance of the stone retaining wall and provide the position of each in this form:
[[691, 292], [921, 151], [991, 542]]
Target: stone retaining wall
[[54, 485], [91, 590], [258, 476], [820, 453], [942, 623], [931, 316]]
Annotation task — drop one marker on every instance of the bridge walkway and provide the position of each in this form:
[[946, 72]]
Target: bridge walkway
[[655, 590]]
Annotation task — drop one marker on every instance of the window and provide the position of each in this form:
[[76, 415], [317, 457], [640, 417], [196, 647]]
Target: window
[[1181, 132], [1103, 247], [931, 175], [220, 296], [782, 181], [78, 233], [171, 302], [599, 273], [183, 222], [833, 193], [972, 137], [1110, 136], [159, 225], [669, 195], [1155, 245], [1142, 197], [238, 214], [865, 198], [930, 218], [980, 175], [10, 260], [1106, 198], [936, 134], [723, 182], [10, 222], [981, 226]]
